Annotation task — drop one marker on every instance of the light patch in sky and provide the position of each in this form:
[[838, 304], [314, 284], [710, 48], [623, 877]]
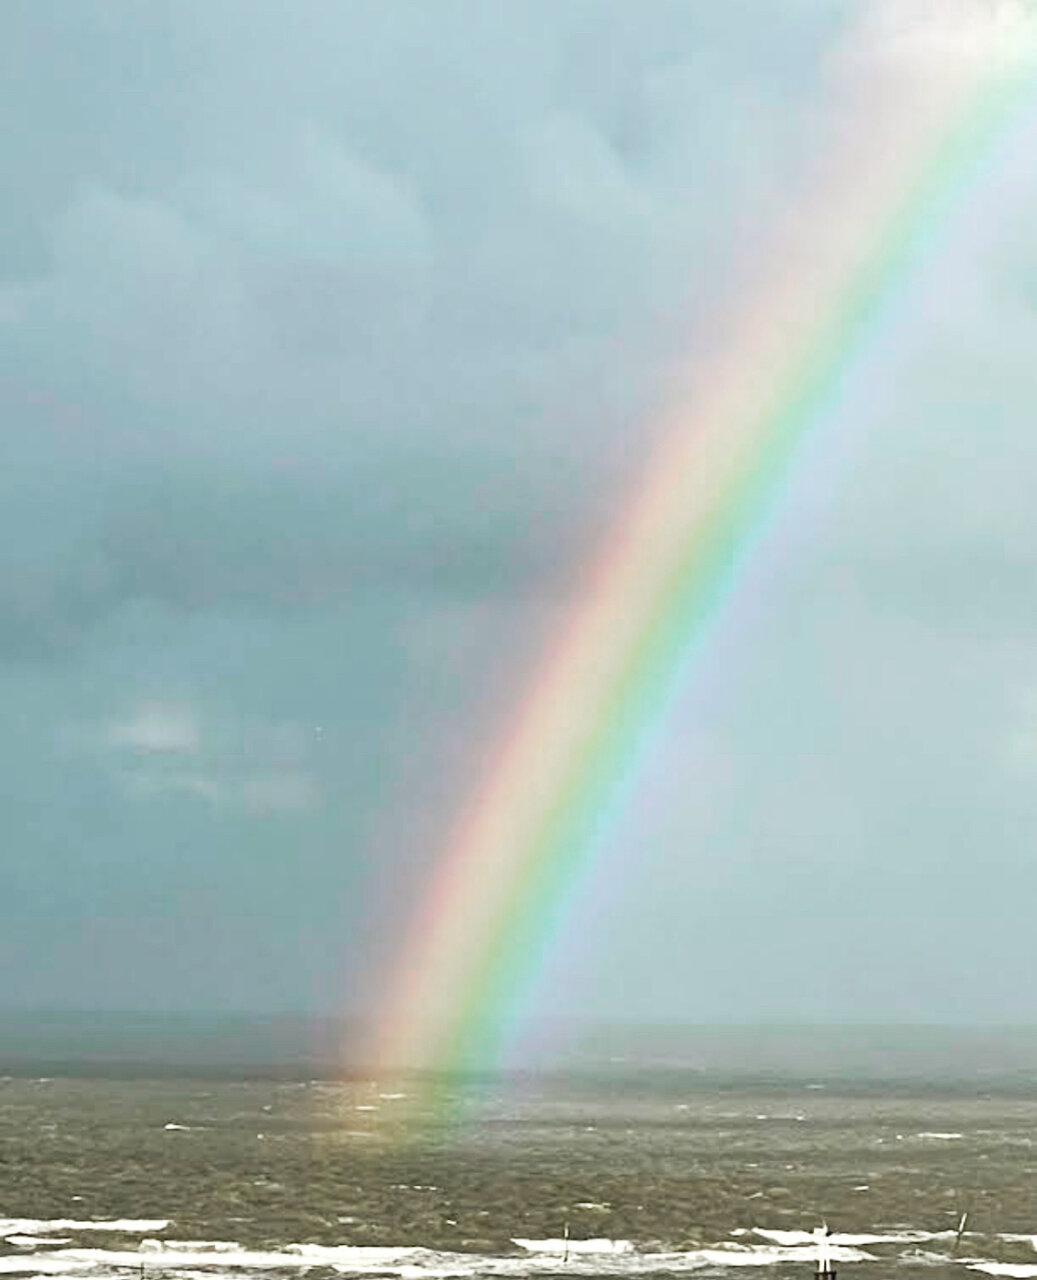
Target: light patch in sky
[[158, 727]]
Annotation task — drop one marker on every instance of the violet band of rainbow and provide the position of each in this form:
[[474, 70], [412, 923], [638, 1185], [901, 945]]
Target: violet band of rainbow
[[708, 492]]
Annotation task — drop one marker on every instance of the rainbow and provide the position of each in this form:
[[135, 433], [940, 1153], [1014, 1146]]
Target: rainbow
[[948, 91]]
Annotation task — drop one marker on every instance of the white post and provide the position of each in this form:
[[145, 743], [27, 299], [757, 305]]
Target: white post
[[825, 1269]]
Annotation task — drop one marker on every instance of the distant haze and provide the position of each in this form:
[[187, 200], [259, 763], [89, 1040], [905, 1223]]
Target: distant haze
[[290, 1047], [332, 343]]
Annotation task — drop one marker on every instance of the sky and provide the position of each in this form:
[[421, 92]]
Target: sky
[[334, 339]]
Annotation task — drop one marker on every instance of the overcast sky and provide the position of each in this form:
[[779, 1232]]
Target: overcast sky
[[332, 339]]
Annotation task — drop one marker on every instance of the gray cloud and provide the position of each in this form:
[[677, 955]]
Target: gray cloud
[[332, 343], [298, 310]]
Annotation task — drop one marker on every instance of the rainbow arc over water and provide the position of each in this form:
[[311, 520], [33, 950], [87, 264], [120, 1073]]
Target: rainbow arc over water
[[950, 89]]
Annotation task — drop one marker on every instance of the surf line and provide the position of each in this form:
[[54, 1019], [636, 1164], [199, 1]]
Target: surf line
[[710, 489]]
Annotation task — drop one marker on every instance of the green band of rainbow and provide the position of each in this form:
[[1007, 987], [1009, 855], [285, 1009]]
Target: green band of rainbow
[[718, 471]]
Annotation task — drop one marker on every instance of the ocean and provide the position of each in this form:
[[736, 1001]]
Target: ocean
[[215, 1147]]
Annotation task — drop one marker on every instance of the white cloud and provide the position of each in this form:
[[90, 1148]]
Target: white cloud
[[945, 36], [230, 761], [158, 727]]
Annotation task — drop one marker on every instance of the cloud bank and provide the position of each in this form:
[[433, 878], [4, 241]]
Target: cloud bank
[[333, 342]]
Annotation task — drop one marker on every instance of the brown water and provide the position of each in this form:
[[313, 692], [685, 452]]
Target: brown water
[[674, 1165]]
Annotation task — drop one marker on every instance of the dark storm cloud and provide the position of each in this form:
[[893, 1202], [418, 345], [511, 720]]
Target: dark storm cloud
[[293, 307]]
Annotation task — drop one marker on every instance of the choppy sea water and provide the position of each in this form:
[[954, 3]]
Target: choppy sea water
[[38, 1248], [651, 1173]]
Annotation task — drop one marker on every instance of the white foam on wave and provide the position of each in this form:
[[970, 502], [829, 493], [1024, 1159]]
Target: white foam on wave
[[189, 1246], [217, 1254], [34, 1242], [924, 1258], [1015, 1270], [596, 1256], [47, 1266], [755, 1255], [41, 1226], [575, 1246], [907, 1236]]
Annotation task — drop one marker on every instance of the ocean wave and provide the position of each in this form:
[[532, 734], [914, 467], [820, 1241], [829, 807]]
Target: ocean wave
[[596, 1256], [45, 1226]]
